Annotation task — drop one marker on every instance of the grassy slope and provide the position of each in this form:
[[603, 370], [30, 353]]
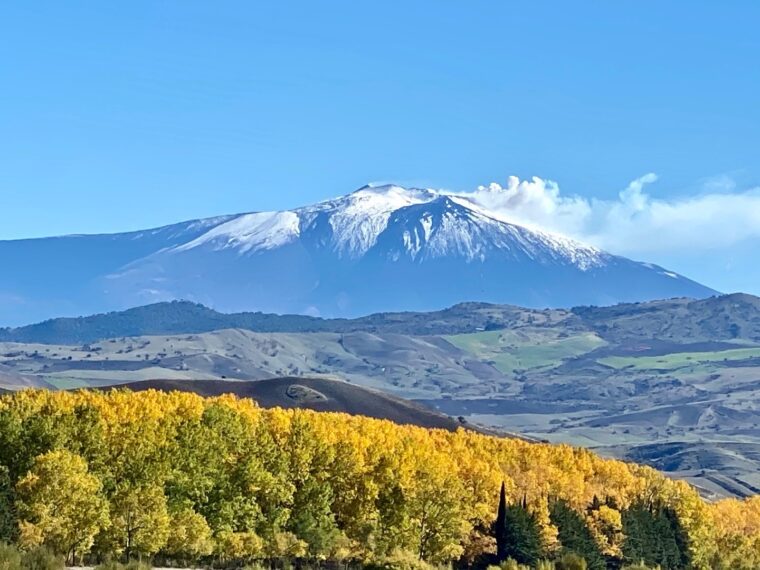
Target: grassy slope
[[511, 351], [678, 359]]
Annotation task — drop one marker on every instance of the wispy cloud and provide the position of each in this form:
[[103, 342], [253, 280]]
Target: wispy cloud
[[636, 222]]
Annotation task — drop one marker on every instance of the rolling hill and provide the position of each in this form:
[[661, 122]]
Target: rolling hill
[[680, 320], [319, 394]]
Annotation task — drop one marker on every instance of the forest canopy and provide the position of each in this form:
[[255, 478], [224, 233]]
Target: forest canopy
[[177, 475]]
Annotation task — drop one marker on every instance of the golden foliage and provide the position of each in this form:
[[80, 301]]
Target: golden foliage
[[60, 505], [184, 475]]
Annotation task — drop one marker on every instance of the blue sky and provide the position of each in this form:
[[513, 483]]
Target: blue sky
[[117, 116]]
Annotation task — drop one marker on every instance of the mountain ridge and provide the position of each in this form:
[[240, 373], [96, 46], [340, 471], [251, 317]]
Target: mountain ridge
[[182, 316]]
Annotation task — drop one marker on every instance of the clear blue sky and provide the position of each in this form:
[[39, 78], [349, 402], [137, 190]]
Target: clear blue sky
[[126, 115]]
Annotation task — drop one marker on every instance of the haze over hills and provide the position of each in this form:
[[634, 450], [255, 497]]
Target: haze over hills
[[674, 383], [376, 249]]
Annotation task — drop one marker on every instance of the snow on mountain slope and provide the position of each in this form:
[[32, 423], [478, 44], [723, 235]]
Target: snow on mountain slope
[[435, 225], [376, 249], [450, 225], [358, 219], [250, 232], [355, 222]]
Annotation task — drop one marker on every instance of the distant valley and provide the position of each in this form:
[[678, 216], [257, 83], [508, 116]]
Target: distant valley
[[673, 383]]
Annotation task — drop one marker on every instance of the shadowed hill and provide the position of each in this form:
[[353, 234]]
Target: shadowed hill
[[313, 393], [185, 317]]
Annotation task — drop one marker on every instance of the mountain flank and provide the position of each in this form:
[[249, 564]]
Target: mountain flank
[[374, 250]]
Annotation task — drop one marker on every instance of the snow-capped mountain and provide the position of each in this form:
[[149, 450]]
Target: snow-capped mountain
[[377, 249], [426, 224]]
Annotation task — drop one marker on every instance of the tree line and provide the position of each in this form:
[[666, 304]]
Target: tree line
[[187, 479]]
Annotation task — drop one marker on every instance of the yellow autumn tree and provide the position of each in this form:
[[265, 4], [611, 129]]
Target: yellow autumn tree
[[60, 505], [139, 521], [189, 536], [737, 534]]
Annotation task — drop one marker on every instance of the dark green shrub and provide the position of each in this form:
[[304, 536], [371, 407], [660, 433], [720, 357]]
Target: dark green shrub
[[10, 557], [571, 561], [41, 558]]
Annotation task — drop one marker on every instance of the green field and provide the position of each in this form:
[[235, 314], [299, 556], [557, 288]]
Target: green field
[[66, 382], [510, 351], [678, 359]]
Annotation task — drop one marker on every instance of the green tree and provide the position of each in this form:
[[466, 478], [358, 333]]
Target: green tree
[[60, 505], [82, 433], [311, 517], [575, 535], [392, 513], [435, 511], [8, 523], [139, 521], [518, 535], [24, 438], [653, 536], [240, 546], [500, 526], [189, 535], [216, 470]]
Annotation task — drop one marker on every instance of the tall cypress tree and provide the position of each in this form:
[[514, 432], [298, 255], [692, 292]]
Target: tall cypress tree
[[517, 532], [500, 525]]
